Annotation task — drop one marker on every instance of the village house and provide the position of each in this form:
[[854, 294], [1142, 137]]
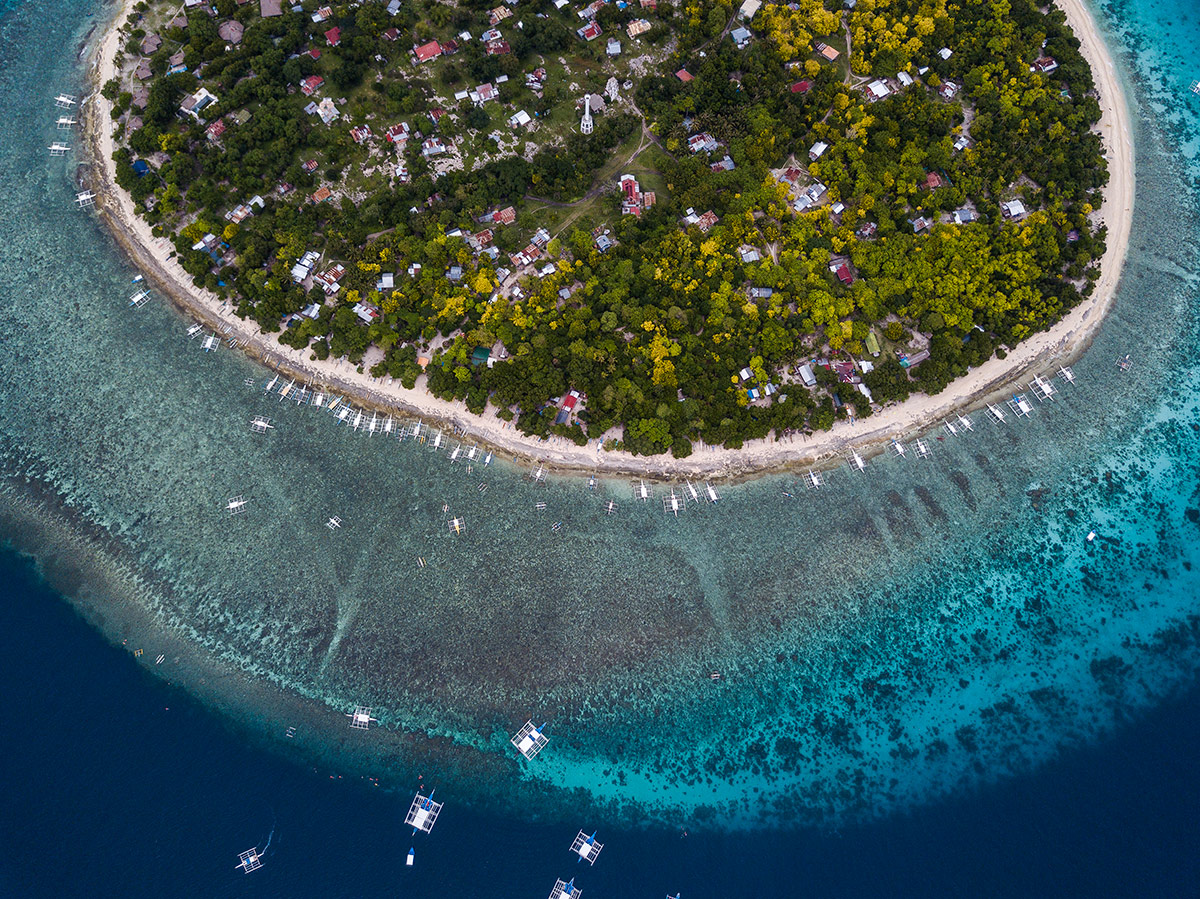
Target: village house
[[304, 267], [705, 222], [633, 201], [327, 111], [590, 31], [878, 90], [426, 52], [397, 134], [636, 27], [433, 147], [366, 312], [231, 32], [702, 143], [194, 104], [328, 279], [1012, 209]]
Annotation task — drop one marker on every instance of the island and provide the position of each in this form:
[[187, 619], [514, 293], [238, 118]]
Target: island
[[645, 228]]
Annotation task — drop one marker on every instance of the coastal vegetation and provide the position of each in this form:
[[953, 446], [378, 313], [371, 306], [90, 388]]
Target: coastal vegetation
[[824, 210]]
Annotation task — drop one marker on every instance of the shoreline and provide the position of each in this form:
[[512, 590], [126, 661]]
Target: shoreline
[[1064, 342]]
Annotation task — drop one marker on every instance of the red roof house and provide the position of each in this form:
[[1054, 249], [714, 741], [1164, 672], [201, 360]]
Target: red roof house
[[844, 274], [801, 87], [684, 75], [334, 36], [426, 52]]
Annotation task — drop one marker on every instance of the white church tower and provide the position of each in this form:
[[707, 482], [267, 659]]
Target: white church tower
[[585, 127]]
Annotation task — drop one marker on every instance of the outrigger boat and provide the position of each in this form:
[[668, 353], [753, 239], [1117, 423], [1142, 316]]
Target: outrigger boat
[[1020, 405]]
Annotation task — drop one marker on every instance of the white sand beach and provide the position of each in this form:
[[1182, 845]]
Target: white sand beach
[[1058, 345]]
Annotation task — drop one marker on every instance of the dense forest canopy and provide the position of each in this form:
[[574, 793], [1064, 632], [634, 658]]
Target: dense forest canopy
[[894, 193]]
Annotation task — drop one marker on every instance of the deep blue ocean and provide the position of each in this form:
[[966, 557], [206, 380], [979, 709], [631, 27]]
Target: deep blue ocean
[[933, 685]]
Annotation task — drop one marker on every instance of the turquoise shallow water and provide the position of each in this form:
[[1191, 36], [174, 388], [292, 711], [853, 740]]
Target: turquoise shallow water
[[900, 634]]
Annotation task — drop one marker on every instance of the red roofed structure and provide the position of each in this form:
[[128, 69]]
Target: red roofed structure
[[426, 52], [801, 87], [334, 36], [684, 75]]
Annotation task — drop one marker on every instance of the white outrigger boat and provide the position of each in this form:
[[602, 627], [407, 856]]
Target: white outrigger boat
[[922, 448], [813, 480], [672, 503], [236, 505], [65, 101], [138, 298], [1020, 406], [1066, 375], [965, 423], [856, 461], [1042, 388], [641, 491], [260, 424], [211, 342], [997, 413], [710, 492], [899, 448]]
